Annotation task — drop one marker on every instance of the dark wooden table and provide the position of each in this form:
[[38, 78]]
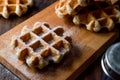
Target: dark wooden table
[[93, 72]]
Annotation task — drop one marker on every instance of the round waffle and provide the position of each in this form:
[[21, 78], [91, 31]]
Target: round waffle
[[39, 46], [12, 7]]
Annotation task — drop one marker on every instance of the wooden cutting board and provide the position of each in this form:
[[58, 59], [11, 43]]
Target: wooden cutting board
[[86, 47]]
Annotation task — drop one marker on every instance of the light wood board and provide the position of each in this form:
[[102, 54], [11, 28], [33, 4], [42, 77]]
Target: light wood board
[[86, 47]]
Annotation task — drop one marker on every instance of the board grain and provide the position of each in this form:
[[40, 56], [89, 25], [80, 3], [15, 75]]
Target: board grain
[[86, 47]]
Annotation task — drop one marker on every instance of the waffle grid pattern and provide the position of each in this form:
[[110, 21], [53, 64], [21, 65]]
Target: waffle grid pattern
[[39, 46], [98, 16], [69, 7], [12, 7]]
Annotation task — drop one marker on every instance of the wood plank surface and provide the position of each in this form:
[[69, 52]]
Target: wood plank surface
[[86, 47], [7, 24]]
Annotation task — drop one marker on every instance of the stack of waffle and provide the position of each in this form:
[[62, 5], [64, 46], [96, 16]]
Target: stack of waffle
[[39, 46], [94, 14]]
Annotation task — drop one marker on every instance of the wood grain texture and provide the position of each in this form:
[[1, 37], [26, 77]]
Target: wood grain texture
[[87, 46], [6, 74], [6, 24]]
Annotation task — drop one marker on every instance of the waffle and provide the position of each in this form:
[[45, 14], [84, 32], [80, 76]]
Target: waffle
[[69, 7], [12, 7], [39, 46], [98, 16]]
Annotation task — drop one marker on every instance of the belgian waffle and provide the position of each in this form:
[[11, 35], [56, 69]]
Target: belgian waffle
[[98, 16], [69, 7], [39, 46], [11, 7]]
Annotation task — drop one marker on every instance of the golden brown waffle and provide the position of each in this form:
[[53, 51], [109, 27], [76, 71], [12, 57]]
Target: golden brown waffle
[[69, 7], [39, 46], [72, 7], [98, 16], [11, 7]]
